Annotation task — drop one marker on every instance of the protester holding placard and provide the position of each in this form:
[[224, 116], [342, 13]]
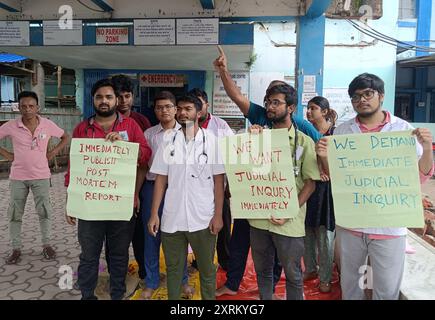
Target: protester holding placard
[[219, 128], [286, 236], [30, 134], [320, 221], [383, 246], [189, 165], [256, 114], [110, 125], [165, 109]]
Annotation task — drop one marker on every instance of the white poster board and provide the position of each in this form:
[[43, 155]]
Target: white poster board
[[154, 31], [14, 33], [55, 36], [198, 31], [222, 104], [309, 83], [339, 101]]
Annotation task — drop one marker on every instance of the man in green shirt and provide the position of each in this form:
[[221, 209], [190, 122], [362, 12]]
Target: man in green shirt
[[286, 236]]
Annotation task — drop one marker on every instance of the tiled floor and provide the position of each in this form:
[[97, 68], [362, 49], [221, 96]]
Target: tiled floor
[[34, 277]]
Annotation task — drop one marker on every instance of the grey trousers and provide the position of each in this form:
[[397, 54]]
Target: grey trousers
[[384, 275], [290, 251], [19, 192]]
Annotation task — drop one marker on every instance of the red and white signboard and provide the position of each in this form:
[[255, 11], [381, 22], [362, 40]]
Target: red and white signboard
[[112, 35], [161, 80]]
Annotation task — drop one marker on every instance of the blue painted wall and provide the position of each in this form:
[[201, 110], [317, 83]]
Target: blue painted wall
[[310, 53], [424, 12]]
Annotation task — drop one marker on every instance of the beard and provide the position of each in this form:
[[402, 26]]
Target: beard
[[202, 119], [278, 118], [105, 114]]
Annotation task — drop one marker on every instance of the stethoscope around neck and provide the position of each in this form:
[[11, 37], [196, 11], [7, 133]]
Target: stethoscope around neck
[[91, 126], [202, 157]]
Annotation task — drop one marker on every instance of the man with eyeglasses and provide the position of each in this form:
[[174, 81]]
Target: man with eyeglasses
[[385, 247], [256, 114], [190, 167], [285, 237], [165, 109], [30, 135]]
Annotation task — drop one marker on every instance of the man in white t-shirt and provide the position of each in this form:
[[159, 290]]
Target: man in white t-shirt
[[220, 128], [385, 247], [190, 166]]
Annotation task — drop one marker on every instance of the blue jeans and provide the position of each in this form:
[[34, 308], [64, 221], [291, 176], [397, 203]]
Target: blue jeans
[[92, 235], [239, 249], [152, 244]]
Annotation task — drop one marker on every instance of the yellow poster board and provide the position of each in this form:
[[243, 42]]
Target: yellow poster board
[[260, 174], [102, 179], [375, 180]]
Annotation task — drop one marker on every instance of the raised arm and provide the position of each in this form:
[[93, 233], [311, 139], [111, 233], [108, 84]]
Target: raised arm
[[229, 85]]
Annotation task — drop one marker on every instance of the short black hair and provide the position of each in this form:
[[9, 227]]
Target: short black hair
[[199, 93], [291, 96], [165, 95], [122, 83], [192, 99], [103, 83], [28, 94], [364, 81]]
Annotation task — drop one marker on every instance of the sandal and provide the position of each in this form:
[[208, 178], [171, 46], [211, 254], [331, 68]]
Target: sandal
[[188, 292], [49, 253], [14, 257]]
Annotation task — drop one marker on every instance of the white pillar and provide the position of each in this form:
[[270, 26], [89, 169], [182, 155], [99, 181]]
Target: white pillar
[[37, 83]]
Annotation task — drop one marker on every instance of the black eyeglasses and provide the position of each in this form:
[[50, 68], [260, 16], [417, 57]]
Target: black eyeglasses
[[367, 94], [273, 103], [165, 107]]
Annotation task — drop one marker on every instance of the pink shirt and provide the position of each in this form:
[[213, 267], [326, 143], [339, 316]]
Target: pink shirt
[[30, 152]]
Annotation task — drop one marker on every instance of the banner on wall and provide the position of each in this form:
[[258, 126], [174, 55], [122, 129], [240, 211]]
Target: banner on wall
[[111, 35], [162, 80], [222, 104]]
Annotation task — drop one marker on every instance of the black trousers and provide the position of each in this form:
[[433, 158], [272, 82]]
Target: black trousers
[[92, 235], [138, 242], [224, 236]]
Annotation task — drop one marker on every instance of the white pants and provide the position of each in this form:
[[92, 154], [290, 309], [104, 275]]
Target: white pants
[[384, 275]]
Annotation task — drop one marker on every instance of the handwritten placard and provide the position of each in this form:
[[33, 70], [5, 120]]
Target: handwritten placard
[[260, 174], [375, 180], [102, 179]]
